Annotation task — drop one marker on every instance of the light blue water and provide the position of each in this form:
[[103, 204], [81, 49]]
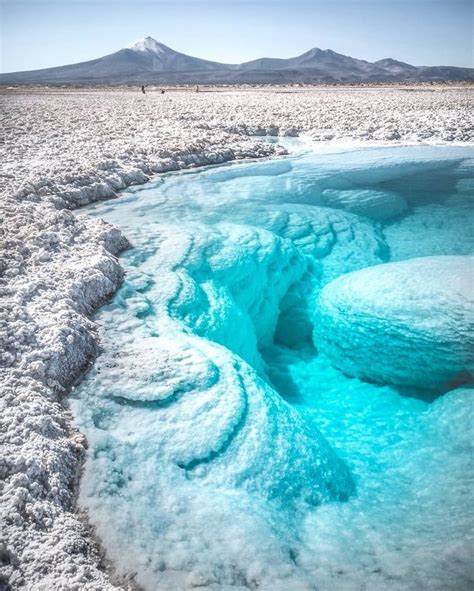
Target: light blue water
[[224, 451]]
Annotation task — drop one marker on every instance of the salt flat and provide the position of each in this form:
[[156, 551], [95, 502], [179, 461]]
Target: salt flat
[[64, 149]]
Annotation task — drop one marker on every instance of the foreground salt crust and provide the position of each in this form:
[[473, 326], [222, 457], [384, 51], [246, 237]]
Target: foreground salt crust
[[63, 150], [408, 323]]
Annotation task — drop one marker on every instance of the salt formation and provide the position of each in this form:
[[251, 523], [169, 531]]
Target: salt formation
[[235, 278], [62, 150], [408, 323], [338, 242], [378, 205], [196, 420], [334, 243], [224, 447], [56, 269], [451, 418], [121, 138]]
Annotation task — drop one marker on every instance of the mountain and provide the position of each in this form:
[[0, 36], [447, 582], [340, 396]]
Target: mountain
[[397, 68], [149, 62]]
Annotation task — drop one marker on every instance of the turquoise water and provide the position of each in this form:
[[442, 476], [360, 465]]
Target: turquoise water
[[225, 452]]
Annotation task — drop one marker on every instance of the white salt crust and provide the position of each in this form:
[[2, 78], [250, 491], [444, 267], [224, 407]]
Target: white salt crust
[[61, 150]]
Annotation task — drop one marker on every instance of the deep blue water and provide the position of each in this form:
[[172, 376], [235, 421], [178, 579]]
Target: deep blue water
[[224, 450]]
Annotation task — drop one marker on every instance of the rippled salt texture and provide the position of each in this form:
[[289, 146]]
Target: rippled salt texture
[[224, 451]]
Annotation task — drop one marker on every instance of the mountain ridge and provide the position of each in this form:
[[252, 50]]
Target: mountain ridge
[[147, 61]]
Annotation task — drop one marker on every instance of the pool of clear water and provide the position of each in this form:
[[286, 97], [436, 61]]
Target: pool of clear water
[[225, 452]]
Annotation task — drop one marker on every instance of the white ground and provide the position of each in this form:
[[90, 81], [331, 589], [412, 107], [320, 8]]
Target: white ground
[[64, 149]]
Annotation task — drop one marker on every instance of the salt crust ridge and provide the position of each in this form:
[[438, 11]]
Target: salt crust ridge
[[62, 151]]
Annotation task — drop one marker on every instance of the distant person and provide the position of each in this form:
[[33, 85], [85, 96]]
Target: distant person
[[162, 91], [143, 89], [197, 88]]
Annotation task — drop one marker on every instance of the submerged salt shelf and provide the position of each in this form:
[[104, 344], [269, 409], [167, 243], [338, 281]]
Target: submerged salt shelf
[[226, 448]]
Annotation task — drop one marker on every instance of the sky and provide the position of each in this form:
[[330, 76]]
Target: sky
[[44, 33]]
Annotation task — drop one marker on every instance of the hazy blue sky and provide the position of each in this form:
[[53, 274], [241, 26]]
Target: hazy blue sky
[[42, 33]]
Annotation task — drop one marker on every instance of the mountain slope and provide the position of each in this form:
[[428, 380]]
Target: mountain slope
[[149, 62], [158, 57]]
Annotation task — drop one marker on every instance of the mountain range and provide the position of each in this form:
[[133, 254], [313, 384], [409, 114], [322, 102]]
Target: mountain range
[[149, 62]]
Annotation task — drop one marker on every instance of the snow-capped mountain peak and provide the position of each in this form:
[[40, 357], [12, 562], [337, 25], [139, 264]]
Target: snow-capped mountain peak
[[148, 44]]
